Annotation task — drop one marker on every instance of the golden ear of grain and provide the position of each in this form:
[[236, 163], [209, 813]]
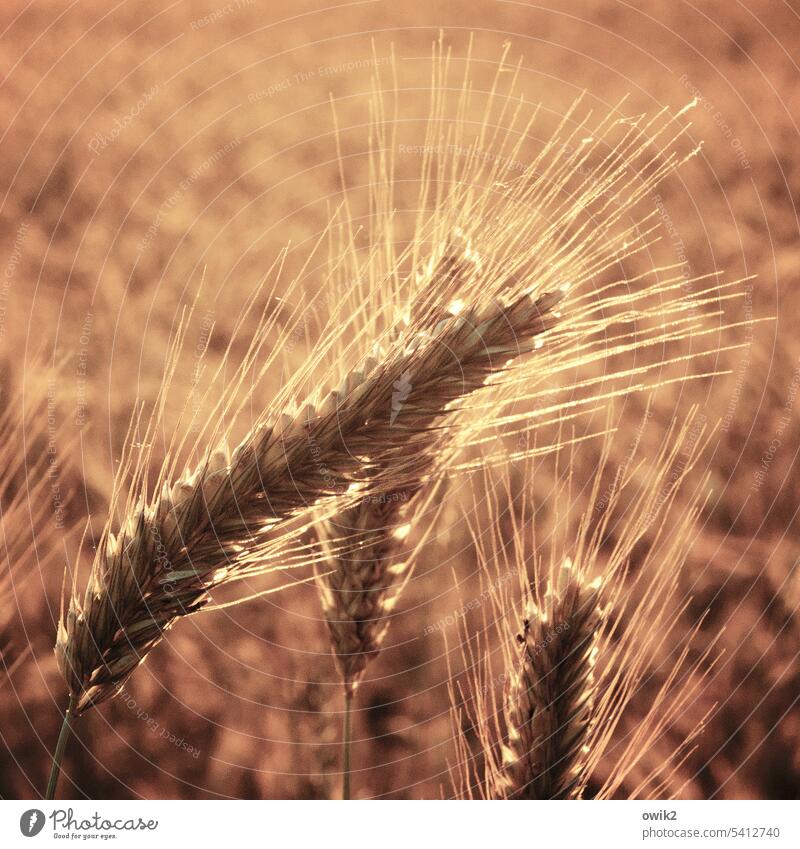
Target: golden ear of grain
[[358, 589], [203, 529], [551, 698]]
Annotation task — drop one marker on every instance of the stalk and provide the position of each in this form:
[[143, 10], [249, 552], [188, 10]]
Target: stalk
[[61, 745], [347, 741]]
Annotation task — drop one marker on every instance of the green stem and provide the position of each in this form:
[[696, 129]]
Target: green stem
[[347, 740], [55, 772]]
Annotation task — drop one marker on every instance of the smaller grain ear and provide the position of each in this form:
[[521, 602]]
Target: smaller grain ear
[[551, 699], [555, 670]]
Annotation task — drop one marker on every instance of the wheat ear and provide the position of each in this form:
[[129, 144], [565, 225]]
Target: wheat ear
[[208, 526], [545, 708], [552, 694]]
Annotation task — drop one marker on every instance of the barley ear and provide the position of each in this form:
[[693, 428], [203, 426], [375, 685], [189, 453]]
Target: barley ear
[[551, 698]]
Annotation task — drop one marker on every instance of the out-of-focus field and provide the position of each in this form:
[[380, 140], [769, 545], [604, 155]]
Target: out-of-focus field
[[151, 150]]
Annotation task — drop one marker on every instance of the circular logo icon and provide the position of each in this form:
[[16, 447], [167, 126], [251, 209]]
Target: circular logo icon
[[31, 822]]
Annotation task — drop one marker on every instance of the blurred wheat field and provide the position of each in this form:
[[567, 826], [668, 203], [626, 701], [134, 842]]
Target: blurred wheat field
[[161, 158]]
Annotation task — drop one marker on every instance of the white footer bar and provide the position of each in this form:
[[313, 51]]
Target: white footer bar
[[406, 825]]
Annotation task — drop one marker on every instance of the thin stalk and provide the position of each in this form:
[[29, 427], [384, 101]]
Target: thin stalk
[[347, 740], [61, 745]]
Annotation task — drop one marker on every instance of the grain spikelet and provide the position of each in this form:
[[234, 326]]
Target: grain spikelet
[[552, 694], [572, 643]]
